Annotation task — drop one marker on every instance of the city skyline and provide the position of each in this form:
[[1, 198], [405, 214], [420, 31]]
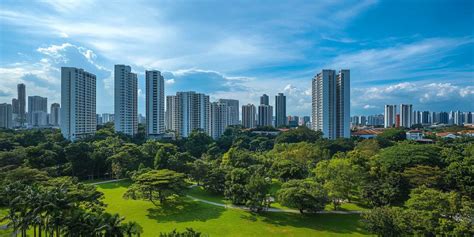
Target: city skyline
[[428, 67]]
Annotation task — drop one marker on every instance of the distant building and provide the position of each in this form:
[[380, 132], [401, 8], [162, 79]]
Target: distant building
[[125, 97], [188, 111], [155, 103], [249, 116], [218, 120], [280, 110], [363, 120], [265, 115], [233, 116], [6, 120], [21, 104], [390, 115], [37, 111], [98, 118], [264, 100], [293, 121], [426, 118], [414, 135], [458, 118], [331, 103], [406, 115], [106, 118], [78, 100], [55, 115]]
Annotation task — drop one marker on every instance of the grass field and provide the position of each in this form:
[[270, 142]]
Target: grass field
[[218, 221]]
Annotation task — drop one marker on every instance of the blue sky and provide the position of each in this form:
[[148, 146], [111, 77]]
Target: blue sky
[[419, 52]]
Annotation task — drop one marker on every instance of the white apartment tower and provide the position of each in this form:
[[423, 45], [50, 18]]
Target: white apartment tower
[[233, 116], [218, 119], [406, 115], [155, 103], [331, 103], [390, 114], [248, 116], [126, 117], [187, 111], [78, 100]]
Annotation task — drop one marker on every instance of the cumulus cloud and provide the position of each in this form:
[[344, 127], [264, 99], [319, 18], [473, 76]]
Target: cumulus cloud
[[429, 96]]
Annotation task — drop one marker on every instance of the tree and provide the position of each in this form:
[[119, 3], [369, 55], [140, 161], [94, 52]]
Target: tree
[[235, 183], [385, 221], [214, 179], [79, 155], [404, 155], [300, 134], [258, 189], [197, 143], [156, 185], [305, 195], [199, 170], [189, 232], [392, 134], [340, 178], [286, 169], [423, 175]]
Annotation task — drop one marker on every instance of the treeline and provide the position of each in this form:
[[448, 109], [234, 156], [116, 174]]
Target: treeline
[[397, 179]]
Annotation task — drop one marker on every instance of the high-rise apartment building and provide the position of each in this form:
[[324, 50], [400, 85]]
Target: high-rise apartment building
[[218, 119], [186, 112], [54, 116], [280, 110], [425, 118], [264, 100], [406, 115], [21, 104], [106, 118], [249, 113], [233, 116], [265, 112], [6, 120], [331, 103], [155, 103], [126, 116], [78, 101], [458, 118], [37, 111], [390, 114]]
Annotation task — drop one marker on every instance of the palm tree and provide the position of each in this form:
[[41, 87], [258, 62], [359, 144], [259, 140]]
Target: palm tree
[[112, 225], [132, 228]]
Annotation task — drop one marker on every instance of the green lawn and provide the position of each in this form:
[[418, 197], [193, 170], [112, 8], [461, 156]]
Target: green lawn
[[217, 221]]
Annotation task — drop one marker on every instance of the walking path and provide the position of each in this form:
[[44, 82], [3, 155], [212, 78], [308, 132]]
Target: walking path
[[231, 206]]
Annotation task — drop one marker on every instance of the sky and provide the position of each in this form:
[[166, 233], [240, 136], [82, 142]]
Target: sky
[[405, 51]]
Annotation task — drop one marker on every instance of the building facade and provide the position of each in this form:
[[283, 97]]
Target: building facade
[[280, 110], [125, 111], [390, 114], [6, 113], [78, 100], [218, 119], [249, 113], [55, 115], [21, 104], [406, 115], [331, 103], [155, 103], [186, 112], [37, 111], [265, 115], [233, 116]]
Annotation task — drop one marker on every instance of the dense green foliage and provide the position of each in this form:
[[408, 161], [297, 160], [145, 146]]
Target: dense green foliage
[[396, 178]]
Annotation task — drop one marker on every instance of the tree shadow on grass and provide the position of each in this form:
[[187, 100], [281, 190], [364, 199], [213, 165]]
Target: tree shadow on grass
[[184, 210], [337, 223]]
